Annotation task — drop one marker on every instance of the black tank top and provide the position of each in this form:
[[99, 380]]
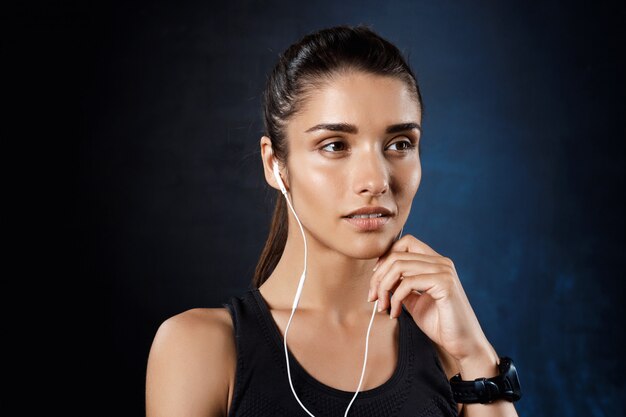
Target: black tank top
[[417, 388]]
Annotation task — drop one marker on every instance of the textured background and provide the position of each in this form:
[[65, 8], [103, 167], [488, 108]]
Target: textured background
[[158, 109]]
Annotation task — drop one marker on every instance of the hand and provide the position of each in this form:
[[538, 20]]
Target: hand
[[429, 287]]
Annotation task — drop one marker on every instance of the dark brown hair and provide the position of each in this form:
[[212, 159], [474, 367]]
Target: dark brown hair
[[301, 69]]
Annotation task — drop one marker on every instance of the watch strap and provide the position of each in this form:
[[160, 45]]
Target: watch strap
[[486, 390], [481, 390]]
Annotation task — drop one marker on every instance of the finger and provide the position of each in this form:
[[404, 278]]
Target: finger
[[395, 308], [388, 263], [407, 255], [409, 243], [422, 285], [385, 255], [401, 268], [387, 295]]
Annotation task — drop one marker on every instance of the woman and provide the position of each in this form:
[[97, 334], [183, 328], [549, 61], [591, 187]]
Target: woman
[[343, 118]]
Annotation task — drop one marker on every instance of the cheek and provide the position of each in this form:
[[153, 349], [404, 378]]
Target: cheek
[[416, 179], [408, 179], [322, 189]]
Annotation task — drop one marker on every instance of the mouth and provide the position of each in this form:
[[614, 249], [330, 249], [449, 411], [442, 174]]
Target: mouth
[[368, 222], [366, 216]]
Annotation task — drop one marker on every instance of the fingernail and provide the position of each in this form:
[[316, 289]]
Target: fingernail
[[376, 266], [380, 308], [369, 296]]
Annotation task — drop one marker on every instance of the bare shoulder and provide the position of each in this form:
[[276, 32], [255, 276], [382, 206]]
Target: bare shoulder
[[191, 366], [198, 322]]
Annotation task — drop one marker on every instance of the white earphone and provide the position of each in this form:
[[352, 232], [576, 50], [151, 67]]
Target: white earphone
[[297, 298], [278, 179]]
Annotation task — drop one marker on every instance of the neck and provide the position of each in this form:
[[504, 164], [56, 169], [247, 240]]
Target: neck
[[335, 284]]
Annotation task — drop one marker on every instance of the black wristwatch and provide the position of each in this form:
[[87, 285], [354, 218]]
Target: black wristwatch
[[486, 390]]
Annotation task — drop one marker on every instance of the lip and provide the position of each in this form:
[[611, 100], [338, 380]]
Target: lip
[[371, 224], [368, 225]]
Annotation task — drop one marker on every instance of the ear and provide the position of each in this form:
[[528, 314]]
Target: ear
[[267, 155]]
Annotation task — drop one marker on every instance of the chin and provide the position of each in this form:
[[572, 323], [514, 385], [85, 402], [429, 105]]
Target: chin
[[363, 248]]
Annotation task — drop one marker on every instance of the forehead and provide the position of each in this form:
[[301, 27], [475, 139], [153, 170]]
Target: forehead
[[372, 102]]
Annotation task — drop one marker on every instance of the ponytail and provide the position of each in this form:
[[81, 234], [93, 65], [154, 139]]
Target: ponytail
[[274, 245]]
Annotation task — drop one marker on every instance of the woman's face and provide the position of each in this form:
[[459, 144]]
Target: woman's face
[[361, 163]]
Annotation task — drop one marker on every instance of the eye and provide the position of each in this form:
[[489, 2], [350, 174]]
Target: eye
[[403, 145], [333, 147]]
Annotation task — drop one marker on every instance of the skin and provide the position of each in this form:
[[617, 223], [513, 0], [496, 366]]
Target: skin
[[328, 174]]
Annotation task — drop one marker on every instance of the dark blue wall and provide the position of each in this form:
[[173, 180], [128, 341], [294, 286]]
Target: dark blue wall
[[523, 170]]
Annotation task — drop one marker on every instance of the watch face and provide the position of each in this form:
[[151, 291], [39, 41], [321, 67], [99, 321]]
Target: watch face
[[511, 390]]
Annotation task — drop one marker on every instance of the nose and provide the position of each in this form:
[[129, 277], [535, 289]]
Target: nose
[[371, 174]]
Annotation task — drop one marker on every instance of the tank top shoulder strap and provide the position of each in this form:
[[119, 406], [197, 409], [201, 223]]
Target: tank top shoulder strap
[[258, 387], [251, 332]]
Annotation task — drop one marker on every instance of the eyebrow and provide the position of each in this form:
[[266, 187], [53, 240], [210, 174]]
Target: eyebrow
[[349, 128]]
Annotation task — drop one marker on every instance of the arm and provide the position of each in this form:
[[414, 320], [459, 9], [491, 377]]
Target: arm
[[191, 365], [428, 285]]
